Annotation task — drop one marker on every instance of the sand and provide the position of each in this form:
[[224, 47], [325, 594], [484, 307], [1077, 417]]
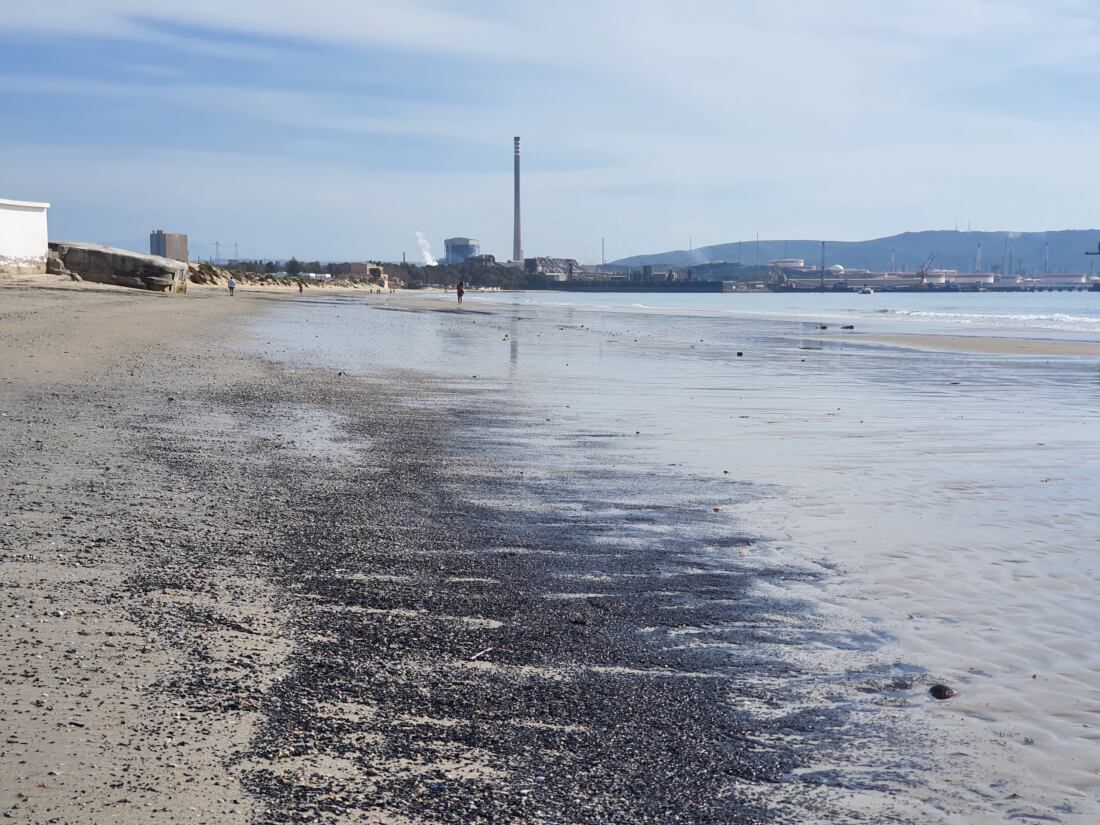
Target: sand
[[253, 574], [86, 737], [243, 591], [979, 344]]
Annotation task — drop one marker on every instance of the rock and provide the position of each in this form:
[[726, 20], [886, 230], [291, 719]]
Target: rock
[[849, 326], [942, 692]]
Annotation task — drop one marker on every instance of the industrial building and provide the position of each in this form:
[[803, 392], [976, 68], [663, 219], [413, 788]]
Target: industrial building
[[24, 241], [168, 245], [563, 269], [457, 250]]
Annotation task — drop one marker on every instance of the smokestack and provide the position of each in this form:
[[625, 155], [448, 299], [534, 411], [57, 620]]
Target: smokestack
[[517, 242]]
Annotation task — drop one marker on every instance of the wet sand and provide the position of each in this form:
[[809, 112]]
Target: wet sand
[[978, 344], [249, 590]]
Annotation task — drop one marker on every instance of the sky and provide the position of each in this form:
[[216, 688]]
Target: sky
[[337, 129]]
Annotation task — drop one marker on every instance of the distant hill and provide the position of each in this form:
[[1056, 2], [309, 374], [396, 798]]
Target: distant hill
[[953, 250]]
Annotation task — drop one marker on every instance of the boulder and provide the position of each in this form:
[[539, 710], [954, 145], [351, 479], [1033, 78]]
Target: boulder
[[108, 265]]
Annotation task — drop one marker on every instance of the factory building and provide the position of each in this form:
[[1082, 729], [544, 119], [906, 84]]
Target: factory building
[[563, 269], [168, 245], [457, 250]]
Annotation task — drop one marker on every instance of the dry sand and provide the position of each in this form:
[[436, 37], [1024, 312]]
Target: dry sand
[[86, 739]]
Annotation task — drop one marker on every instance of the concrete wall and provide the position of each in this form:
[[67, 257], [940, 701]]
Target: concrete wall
[[107, 265], [24, 240]]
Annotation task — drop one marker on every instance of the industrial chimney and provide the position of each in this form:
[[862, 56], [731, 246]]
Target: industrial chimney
[[517, 243]]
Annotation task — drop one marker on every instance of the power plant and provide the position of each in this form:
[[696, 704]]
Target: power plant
[[458, 250], [517, 240]]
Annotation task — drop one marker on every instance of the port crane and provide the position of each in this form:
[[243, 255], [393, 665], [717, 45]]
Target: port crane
[[923, 269], [1097, 252]]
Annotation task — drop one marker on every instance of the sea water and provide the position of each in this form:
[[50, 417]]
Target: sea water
[[952, 497]]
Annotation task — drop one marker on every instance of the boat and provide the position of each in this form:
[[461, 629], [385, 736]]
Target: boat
[[866, 291]]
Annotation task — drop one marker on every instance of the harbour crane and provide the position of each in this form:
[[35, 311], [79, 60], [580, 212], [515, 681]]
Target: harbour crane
[[923, 269], [1097, 252]]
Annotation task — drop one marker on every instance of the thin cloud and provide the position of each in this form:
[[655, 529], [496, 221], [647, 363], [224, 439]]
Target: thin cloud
[[848, 119]]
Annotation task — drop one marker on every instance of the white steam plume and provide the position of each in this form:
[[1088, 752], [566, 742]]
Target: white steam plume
[[425, 250]]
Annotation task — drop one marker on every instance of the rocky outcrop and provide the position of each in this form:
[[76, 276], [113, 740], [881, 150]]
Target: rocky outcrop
[[107, 265], [207, 273], [214, 275]]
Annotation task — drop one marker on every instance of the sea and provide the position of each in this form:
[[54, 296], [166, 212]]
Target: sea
[[946, 502]]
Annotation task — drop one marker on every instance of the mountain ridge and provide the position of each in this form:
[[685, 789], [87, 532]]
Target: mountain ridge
[[954, 249]]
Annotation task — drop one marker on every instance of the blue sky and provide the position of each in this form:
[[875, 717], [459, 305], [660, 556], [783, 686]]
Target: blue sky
[[337, 129]]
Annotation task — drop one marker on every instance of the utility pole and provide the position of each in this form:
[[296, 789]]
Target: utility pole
[[236, 252], [603, 251], [217, 251], [758, 249]]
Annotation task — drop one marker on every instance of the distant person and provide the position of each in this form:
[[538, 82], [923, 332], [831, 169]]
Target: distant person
[[301, 287], [460, 289], [232, 285]]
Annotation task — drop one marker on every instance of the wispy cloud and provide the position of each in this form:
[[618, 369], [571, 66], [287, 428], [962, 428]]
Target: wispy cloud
[[645, 121]]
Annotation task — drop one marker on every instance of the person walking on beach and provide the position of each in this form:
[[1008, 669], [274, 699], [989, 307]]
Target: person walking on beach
[[232, 285], [300, 287], [460, 289]]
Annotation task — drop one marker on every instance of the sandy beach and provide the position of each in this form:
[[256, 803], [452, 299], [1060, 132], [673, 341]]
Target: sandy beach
[[284, 558], [238, 592]]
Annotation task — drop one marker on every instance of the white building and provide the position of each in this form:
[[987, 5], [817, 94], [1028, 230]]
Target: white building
[[24, 241]]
